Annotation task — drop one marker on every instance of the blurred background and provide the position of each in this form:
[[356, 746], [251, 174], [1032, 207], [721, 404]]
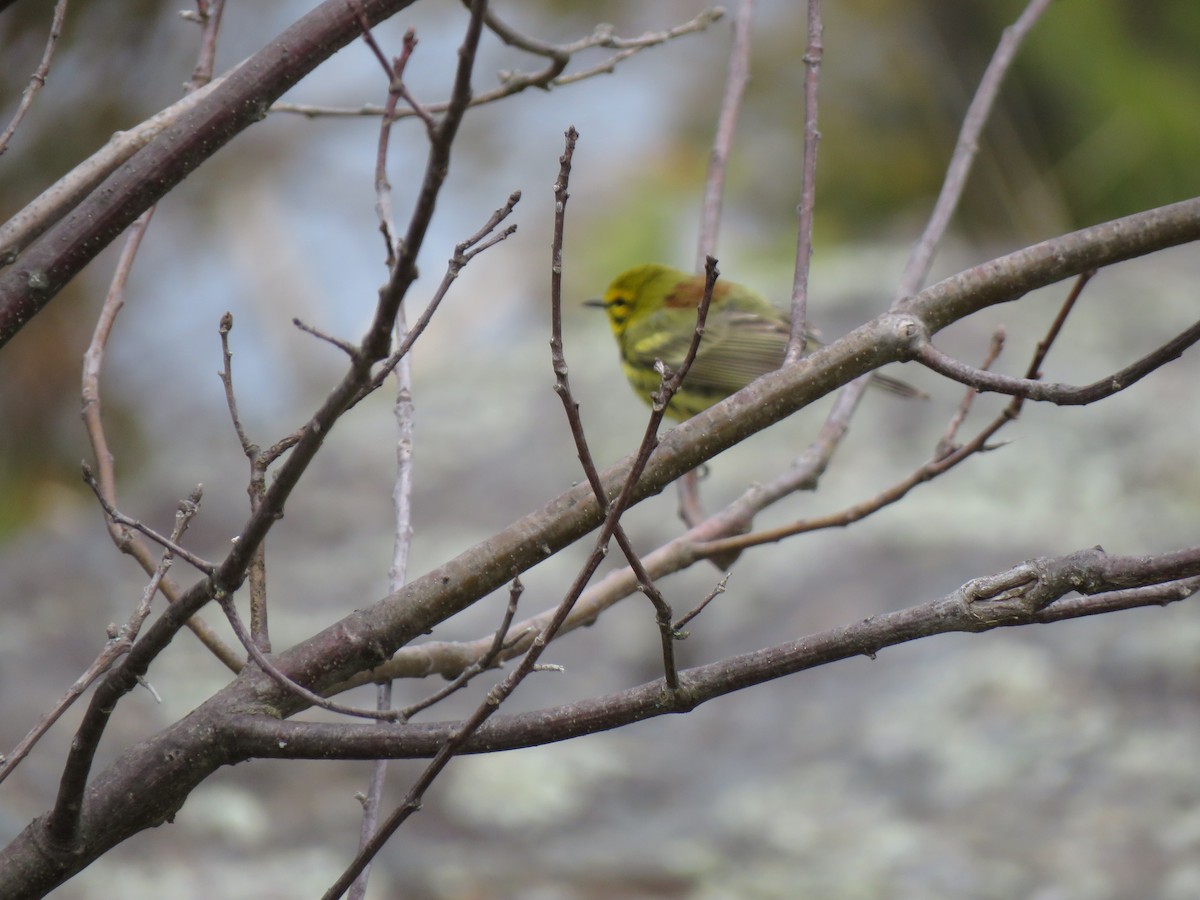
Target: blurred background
[[1048, 763]]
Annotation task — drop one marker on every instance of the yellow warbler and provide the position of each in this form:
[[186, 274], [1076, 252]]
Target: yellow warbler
[[652, 311]]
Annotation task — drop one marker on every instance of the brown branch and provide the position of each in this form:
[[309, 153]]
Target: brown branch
[[217, 116], [1038, 591], [949, 440], [770, 399], [798, 336], [500, 642], [287, 684], [116, 517], [345, 346], [946, 456], [550, 77], [118, 643], [37, 80], [1058, 394], [709, 598], [209, 14], [463, 254], [260, 464], [562, 387], [718, 160], [920, 258]]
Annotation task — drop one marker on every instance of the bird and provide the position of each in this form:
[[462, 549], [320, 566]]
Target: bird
[[652, 312]]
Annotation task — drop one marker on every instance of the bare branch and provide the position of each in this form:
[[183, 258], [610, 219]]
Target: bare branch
[[345, 346], [731, 103], [1058, 394], [949, 440], [798, 338], [118, 643], [226, 376], [550, 77], [209, 17], [37, 80], [260, 462], [562, 387], [463, 254], [218, 114], [500, 642], [921, 256], [264, 662], [1042, 590], [712, 595], [119, 518]]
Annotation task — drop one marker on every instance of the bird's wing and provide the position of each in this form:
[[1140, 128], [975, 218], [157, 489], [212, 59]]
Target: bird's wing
[[737, 347]]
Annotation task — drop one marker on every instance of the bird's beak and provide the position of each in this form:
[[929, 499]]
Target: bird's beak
[[594, 301]]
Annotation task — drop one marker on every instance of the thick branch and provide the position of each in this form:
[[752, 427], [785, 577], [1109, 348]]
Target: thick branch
[[1013, 276], [1026, 594], [239, 101]]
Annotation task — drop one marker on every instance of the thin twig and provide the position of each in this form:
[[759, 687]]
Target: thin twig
[[980, 110], [403, 408], [272, 671], [949, 440], [712, 595], [119, 518], [550, 77], [260, 463], [1058, 394], [226, 375], [37, 80], [691, 510], [463, 254], [1043, 347], [718, 160], [209, 17], [118, 643], [500, 642], [345, 346], [562, 386], [798, 337]]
